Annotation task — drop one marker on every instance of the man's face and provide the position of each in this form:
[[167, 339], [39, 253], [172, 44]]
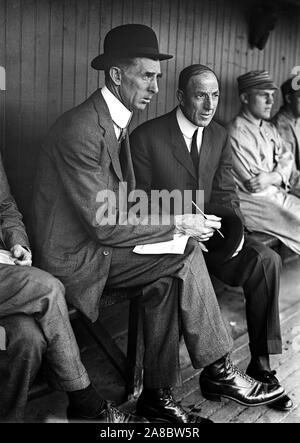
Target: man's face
[[200, 99], [294, 102], [139, 83], [260, 102]]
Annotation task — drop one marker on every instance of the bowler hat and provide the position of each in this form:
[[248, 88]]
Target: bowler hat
[[132, 40], [221, 249]]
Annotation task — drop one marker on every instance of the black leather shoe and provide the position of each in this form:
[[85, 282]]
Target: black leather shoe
[[158, 405], [268, 377], [223, 379], [109, 415]]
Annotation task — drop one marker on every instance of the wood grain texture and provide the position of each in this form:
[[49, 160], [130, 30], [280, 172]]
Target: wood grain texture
[[46, 47]]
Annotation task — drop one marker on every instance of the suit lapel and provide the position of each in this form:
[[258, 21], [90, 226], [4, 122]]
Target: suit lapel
[[179, 148], [205, 155], [126, 162], [106, 123]]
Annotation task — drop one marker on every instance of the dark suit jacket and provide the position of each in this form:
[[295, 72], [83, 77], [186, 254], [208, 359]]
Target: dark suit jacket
[[161, 161], [12, 230], [80, 158]]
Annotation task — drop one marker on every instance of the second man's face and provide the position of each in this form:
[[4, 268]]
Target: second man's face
[[139, 83], [200, 99], [260, 103]]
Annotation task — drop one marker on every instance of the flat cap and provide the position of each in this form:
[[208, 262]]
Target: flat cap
[[257, 80]]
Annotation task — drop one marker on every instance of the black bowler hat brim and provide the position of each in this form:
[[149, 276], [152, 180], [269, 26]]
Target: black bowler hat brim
[[128, 41], [104, 61], [221, 249]]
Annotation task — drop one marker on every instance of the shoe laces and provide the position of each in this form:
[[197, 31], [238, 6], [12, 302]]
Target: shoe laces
[[169, 396], [229, 365], [115, 414]]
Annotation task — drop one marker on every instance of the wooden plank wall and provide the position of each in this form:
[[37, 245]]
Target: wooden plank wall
[[46, 47]]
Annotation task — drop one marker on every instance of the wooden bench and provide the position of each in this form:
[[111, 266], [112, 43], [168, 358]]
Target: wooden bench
[[274, 243], [129, 365], [266, 239]]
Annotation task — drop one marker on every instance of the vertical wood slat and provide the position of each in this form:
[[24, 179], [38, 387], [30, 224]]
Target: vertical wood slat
[[3, 65], [68, 54], [46, 47], [13, 90]]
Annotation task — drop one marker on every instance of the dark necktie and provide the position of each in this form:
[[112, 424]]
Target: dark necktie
[[195, 158], [122, 152], [194, 152]]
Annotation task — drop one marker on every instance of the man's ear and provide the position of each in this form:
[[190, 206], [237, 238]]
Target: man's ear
[[180, 96], [116, 75], [288, 98], [244, 98]]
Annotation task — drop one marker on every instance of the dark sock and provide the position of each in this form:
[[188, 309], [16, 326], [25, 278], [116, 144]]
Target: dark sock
[[86, 401], [260, 362]]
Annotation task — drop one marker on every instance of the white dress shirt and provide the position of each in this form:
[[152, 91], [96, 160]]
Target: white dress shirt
[[120, 115], [187, 129]]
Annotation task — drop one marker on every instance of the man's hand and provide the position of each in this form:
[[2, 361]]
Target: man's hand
[[262, 181], [197, 226], [23, 256]]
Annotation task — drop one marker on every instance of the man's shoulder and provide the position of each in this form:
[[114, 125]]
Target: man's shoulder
[[218, 129], [78, 119], [237, 126], [156, 124], [281, 120]]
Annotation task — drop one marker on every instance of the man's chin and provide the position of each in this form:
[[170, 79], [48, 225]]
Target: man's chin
[[202, 123], [141, 106], [266, 115]]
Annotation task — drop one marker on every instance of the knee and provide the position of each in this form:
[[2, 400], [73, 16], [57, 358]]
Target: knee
[[271, 258], [24, 338], [53, 287]]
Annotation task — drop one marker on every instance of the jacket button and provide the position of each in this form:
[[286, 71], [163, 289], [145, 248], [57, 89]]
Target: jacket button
[[105, 252]]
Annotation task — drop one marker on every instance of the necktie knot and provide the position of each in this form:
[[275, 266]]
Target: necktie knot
[[122, 135]]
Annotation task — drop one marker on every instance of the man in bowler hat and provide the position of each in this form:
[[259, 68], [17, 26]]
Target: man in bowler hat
[[186, 149], [86, 152]]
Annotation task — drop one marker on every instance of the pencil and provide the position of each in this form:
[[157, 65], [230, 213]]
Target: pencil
[[202, 213]]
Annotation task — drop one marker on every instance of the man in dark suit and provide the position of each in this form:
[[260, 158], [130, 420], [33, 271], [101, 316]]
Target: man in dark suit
[[186, 150], [82, 238]]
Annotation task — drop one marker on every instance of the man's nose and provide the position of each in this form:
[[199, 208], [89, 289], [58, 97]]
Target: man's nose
[[208, 103], [154, 86], [270, 100]]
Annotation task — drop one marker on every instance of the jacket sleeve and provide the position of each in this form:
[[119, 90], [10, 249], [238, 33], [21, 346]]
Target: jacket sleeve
[[224, 190], [84, 173], [12, 228]]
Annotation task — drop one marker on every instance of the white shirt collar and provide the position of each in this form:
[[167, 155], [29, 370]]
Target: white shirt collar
[[186, 126], [120, 115]]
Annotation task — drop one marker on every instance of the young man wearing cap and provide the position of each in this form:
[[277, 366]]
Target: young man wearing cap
[[186, 150], [86, 154], [262, 164], [287, 122]]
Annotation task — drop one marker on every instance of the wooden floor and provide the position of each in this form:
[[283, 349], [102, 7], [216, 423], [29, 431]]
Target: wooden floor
[[51, 408]]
